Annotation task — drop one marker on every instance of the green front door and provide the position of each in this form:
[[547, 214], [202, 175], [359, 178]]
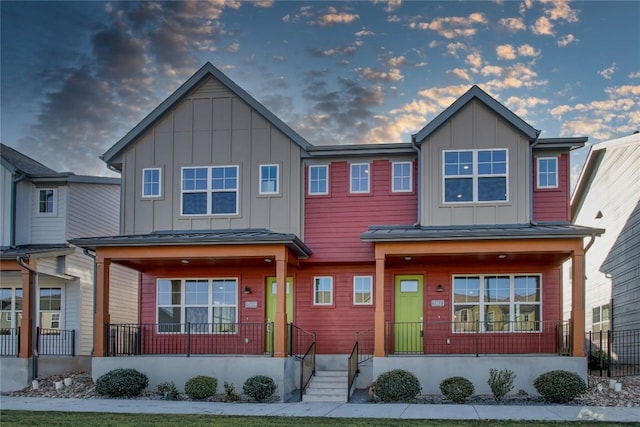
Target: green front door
[[271, 292], [408, 314]]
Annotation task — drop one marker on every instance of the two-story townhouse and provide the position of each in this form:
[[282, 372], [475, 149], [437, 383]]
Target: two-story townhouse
[[251, 241], [46, 286]]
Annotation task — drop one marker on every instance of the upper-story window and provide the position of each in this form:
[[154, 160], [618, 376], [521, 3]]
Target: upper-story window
[[269, 182], [401, 179], [151, 182], [46, 201], [210, 190], [323, 291], [547, 172], [475, 176], [359, 177], [318, 179]]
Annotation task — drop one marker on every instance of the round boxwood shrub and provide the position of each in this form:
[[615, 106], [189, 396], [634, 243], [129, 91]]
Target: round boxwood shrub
[[259, 387], [457, 389], [560, 386], [397, 385], [201, 387], [123, 382]]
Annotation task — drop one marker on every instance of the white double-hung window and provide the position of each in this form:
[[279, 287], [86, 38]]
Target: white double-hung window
[[211, 190], [547, 172], [475, 176], [269, 182], [151, 182], [359, 177]]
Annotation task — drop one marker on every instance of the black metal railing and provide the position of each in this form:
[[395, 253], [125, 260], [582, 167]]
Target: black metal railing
[[361, 352], [307, 367], [56, 342], [299, 341], [189, 338], [9, 341], [613, 353], [531, 337]]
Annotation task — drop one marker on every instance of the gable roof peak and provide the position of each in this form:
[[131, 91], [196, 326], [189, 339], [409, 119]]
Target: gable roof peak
[[475, 92]]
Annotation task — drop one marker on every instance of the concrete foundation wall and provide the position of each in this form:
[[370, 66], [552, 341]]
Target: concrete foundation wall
[[432, 370], [235, 370], [16, 373]]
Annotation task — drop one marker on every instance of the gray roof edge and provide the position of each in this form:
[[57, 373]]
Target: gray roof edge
[[206, 70], [402, 148], [91, 179], [488, 100], [571, 143]]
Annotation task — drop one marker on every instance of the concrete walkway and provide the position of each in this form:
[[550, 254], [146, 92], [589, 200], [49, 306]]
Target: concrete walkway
[[334, 410]]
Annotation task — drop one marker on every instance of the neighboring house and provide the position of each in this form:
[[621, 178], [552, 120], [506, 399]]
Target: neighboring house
[[45, 280], [607, 195], [451, 244]]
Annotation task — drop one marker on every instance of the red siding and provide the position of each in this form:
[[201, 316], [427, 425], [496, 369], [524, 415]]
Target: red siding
[[551, 205], [333, 223]]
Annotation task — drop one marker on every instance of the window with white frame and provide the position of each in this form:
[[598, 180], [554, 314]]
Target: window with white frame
[[151, 182], [269, 182], [359, 177], [205, 305], [401, 177], [497, 303], [210, 190], [475, 176], [363, 290], [10, 308], [547, 172], [323, 291], [50, 308], [318, 179], [46, 201]]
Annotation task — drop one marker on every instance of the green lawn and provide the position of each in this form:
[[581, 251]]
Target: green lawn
[[82, 419]]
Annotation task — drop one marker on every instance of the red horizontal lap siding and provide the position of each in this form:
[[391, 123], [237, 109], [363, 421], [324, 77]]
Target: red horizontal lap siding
[[333, 223], [553, 204]]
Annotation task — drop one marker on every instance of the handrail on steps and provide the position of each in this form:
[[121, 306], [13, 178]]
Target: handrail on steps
[[355, 357], [308, 360]]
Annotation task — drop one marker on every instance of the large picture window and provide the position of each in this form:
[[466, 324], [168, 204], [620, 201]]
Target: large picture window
[[475, 176], [210, 190], [206, 305], [497, 303]]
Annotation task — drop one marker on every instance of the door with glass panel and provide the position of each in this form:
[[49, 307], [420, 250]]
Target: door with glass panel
[[271, 293], [408, 331]]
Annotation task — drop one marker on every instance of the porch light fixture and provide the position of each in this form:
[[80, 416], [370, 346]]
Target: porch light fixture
[[502, 256], [184, 261], [439, 288], [268, 260], [408, 258], [247, 290]]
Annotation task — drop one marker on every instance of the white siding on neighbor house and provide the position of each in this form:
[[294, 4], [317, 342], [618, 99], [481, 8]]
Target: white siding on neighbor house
[[49, 229], [6, 187], [68, 305], [610, 200], [123, 295], [475, 127], [212, 127], [81, 291], [24, 201], [93, 210]]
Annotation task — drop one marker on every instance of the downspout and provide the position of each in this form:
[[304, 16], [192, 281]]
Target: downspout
[[95, 270], [33, 325], [531, 148], [418, 187], [14, 208]]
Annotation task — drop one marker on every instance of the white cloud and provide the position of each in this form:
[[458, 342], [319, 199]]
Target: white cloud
[[513, 24], [543, 27], [527, 50], [453, 26], [334, 17], [489, 70], [475, 60], [372, 75], [566, 40], [635, 75], [522, 106], [460, 73], [397, 61], [364, 33], [560, 10], [453, 48], [505, 52], [608, 72]]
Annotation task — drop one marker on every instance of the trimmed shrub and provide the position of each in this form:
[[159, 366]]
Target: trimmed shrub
[[259, 387], [230, 393], [560, 386], [123, 382], [168, 390], [501, 382], [457, 389], [397, 385], [201, 387]]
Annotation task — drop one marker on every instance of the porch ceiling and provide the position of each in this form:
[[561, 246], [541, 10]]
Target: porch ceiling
[[410, 259], [173, 264]]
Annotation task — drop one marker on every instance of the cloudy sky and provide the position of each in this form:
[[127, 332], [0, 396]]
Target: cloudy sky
[[76, 76]]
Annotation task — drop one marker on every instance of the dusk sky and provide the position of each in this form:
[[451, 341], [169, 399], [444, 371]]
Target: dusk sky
[[76, 76]]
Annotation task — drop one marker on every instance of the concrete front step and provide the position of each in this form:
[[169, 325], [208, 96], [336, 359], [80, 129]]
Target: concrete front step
[[327, 386]]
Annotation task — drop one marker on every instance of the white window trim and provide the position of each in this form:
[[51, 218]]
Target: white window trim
[[209, 191], [393, 176], [260, 178], [40, 311], [368, 174], [538, 185], [54, 208], [183, 303], [315, 294], [11, 315], [152, 196], [370, 290], [482, 304], [319, 193], [474, 177]]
